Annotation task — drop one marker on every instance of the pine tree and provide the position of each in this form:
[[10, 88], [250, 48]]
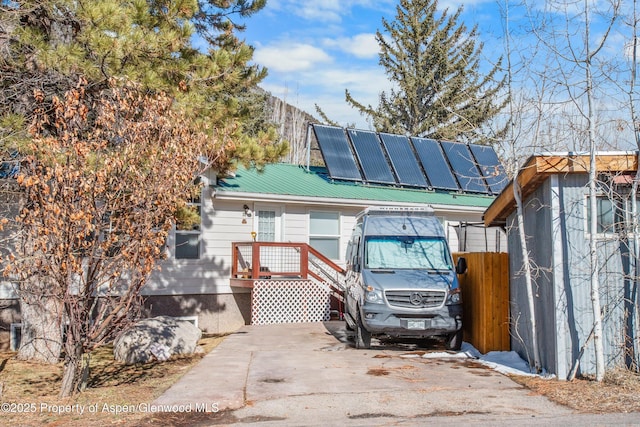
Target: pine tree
[[49, 44], [435, 64], [149, 108]]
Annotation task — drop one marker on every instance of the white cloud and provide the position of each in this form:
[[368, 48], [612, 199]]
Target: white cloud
[[325, 87], [362, 45], [287, 57], [357, 80], [318, 11], [324, 10], [453, 5]]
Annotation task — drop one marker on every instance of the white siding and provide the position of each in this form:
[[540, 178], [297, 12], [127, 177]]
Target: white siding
[[222, 224], [296, 226]]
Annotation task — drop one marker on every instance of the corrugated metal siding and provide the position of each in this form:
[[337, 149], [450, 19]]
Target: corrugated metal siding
[[538, 230], [563, 287], [578, 282]]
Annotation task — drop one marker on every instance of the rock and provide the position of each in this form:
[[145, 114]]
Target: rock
[[156, 338]]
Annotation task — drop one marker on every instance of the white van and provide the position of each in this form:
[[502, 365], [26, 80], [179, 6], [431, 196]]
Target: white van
[[401, 281]]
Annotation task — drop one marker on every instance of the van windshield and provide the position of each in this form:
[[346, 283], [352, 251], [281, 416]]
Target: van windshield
[[411, 252]]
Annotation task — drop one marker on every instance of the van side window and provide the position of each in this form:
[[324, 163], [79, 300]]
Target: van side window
[[355, 250]]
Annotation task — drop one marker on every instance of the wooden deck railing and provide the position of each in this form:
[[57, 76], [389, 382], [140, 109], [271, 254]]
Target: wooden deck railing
[[272, 260]]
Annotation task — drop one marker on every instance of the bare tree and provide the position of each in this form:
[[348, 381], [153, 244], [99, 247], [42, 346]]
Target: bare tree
[[631, 90], [514, 149], [575, 56], [104, 182], [587, 61], [635, 122]]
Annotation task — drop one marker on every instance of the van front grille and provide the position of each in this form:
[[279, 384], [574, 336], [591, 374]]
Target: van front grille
[[415, 299]]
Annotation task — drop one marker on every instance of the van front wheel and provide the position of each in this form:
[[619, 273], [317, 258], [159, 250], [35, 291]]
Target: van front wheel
[[363, 337], [454, 341]]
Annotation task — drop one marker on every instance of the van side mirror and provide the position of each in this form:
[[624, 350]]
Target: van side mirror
[[356, 267], [461, 265]]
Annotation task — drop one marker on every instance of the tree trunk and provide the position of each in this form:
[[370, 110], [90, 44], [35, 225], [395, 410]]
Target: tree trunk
[[526, 265], [517, 194], [76, 370], [593, 226], [41, 339], [635, 268]]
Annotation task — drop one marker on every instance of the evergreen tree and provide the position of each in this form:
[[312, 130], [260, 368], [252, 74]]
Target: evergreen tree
[[149, 107], [435, 64], [46, 45]]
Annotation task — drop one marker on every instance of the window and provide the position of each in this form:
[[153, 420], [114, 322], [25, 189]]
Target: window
[[606, 215], [324, 233], [188, 231], [16, 336], [266, 226]]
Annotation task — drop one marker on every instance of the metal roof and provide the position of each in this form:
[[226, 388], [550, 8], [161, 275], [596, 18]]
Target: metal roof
[[294, 183]]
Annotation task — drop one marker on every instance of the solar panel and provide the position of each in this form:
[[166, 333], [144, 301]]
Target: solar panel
[[464, 167], [435, 164], [369, 152], [358, 155], [403, 160], [490, 167], [336, 153]]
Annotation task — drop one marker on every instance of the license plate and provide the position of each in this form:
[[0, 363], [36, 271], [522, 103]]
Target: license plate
[[415, 324]]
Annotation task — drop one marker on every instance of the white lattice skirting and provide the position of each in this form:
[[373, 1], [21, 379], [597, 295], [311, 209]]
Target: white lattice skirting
[[289, 301]]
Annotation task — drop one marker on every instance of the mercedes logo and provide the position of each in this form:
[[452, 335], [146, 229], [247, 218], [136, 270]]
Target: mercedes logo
[[416, 298]]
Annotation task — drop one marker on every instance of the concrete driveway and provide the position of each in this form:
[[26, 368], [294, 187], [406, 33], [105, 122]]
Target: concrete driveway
[[310, 374]]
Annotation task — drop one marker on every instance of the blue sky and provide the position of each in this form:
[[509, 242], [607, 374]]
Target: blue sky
[[314, 50]]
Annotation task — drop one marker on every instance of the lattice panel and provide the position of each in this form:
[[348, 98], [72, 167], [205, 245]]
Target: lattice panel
[[289, 301]]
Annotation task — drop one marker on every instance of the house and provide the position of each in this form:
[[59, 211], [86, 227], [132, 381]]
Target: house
[[315, 207], [555, 194], [288, 203]]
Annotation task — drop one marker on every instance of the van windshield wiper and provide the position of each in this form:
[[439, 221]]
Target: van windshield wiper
[[382, 271], [438, 270]]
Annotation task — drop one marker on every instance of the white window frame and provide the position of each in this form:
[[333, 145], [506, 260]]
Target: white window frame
[[609, 234], [195, 232], [192, 319], [337, 236], [278, 236]]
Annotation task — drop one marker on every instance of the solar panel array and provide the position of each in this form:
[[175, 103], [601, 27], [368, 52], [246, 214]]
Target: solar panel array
[[382, 158]]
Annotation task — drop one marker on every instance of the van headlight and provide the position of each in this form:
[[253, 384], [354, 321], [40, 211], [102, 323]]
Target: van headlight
[[455, 296], [373, 296]]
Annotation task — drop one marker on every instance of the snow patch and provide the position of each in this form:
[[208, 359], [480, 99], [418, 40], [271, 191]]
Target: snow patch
[[505, 362]]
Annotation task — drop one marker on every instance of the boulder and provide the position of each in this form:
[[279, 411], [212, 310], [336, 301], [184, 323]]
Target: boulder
[[156, 338]]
